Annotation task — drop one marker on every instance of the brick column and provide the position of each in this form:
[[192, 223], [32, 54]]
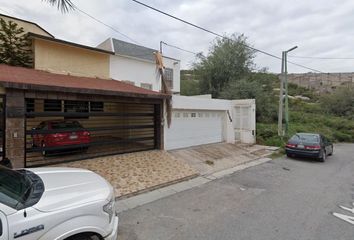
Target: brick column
[[15, 127]]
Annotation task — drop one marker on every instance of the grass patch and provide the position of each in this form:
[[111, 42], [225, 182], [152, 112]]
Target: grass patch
[[337, 129]]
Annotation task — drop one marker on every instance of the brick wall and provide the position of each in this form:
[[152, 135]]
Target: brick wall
[[15, 127]]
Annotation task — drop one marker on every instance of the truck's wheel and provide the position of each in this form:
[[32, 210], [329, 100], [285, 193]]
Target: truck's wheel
[[85, 236]]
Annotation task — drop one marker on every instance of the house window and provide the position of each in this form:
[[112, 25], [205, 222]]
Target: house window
[[200, 115], [193, 115], [177, 115], [169, 77], [96, 106], [52, 105], [185, 115], [146, 86]]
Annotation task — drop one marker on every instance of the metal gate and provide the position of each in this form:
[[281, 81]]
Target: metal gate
[[64, 130], [244, 123]]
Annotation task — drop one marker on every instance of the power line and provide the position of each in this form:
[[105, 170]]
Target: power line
[[325, 58], [179, 48], [99, 21], [201, 28], [219, 35]]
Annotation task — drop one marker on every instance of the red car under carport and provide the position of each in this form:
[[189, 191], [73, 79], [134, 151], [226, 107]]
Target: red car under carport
[[60, 133]]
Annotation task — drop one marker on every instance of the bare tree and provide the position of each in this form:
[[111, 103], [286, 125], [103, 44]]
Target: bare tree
[[63, 5]]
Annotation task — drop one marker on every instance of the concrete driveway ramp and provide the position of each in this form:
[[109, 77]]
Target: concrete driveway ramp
[[211, 158]]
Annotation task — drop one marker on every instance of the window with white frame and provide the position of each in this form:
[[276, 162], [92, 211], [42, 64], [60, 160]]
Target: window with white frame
[[169, 77]]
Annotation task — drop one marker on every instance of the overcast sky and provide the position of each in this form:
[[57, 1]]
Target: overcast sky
[[321, 28]]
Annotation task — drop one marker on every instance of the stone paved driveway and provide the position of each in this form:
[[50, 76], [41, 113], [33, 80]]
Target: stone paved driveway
[[133, 173]]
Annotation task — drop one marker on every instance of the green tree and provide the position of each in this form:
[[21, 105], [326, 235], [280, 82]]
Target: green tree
[[189, 83], [340, 102], [228, 59], [257, 86], [15, 47], [63, 5]]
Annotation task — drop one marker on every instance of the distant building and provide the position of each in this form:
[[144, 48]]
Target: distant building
[[322, 82]]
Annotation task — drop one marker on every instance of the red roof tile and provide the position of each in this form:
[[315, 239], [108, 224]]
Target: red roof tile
[[19, 77]]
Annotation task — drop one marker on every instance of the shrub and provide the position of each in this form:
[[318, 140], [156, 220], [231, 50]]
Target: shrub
[[340, 102]]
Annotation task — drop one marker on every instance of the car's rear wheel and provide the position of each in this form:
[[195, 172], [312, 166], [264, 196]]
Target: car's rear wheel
[[323, 157], [331, 153], [85, 236]]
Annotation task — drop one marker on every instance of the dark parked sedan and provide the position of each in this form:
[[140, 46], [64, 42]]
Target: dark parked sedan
[[309, 145]]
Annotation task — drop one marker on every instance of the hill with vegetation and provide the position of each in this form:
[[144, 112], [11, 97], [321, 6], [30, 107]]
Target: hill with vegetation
[[331, 114], [228, 72]]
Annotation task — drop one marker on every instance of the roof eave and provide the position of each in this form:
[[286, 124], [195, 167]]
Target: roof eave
[[24, 86]]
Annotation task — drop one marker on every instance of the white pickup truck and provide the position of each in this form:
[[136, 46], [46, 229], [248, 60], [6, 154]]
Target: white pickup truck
[[56, 203]]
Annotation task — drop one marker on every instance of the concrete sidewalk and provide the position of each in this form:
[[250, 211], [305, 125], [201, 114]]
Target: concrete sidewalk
[[133, 202]]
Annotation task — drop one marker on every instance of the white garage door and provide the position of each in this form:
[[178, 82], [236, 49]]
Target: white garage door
[[191, 128]]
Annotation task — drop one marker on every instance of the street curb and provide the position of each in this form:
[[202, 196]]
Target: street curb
[[148, 197]]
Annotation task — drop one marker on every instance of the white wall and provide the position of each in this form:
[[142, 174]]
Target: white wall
[[139, 71], [201, 127], [218, 110]]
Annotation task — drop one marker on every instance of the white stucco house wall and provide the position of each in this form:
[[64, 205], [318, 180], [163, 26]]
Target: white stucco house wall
[[196, 120], [136, 65]]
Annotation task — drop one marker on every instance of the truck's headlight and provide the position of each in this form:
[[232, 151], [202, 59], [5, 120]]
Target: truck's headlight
[[109, 209]]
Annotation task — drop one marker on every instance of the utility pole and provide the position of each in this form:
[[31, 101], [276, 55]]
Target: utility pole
[[286, 94], [281, 90], [284, 83]]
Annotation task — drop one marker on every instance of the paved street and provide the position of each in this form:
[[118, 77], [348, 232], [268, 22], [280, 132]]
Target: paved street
[[281, 199]]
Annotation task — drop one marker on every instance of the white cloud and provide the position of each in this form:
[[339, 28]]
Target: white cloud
[[319, 28]]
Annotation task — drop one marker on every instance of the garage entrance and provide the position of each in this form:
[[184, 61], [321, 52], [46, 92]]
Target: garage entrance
[[191, 128], [67, 130]]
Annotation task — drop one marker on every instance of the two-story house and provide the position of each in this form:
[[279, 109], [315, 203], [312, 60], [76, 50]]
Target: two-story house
[[110, 92], [137, 65], [68, 107]]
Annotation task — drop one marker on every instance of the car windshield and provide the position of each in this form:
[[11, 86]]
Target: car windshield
[[65, 125], [306, 138], [13, 187]]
